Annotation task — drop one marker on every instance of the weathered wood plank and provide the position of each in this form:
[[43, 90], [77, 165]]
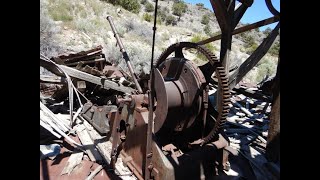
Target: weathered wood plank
[[220, 10], [105, 83], [47, 127], [73, 161], [47, 112], [104, 147], [51, 79], [273, 145], [243, 29], [88, 144], [55, 127], [95, 172]]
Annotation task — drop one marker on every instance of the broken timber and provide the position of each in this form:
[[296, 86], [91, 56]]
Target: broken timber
[[88, 144], [73, 161], [105, 83]]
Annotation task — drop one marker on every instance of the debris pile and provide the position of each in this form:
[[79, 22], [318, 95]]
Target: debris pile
[[74, 136], [247, 129], [75, 132]]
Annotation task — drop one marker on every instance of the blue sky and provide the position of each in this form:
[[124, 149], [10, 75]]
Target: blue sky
[[258, 11]]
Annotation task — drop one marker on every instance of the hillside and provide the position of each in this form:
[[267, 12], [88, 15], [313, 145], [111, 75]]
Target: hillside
[[68, 26]]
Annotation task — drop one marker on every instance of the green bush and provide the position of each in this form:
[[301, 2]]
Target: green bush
[[267, 31], [209, 46], [166, 10], [252, 48], [200, 5], [162, 15], [266, 67], [170, 19], [179, 8], [205, 19], [61, 11], [143, 1], [130, 5], [207, 30], [274, 50], [147, 17], [149, 7]]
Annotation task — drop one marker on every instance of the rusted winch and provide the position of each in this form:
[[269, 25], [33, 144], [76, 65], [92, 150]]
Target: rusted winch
[[178, 82], [184, 124]]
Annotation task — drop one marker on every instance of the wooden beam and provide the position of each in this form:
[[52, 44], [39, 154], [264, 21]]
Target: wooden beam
[[238, 15], [253, 59], [220, 10], [243, 29], [273, 144], [105, 83], [51, 79], [88, 144]]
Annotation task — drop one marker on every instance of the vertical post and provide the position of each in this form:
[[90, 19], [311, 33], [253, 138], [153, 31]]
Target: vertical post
[[226, 38], [148, 163], [273, 141]]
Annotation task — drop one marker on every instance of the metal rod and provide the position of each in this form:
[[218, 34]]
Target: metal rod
[[243, 29], [125, 55], [148, 156]]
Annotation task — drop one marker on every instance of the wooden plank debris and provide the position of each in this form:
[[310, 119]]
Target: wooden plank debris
[[48, 127], [95, 172], [105, 83], [88, 144], [104, 147], [47, 112], [55, 127], [73, 161]]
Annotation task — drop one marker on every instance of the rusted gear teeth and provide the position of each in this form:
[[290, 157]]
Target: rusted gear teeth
[[223, 107]]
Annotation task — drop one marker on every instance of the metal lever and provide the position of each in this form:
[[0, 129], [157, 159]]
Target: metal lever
[[124, 53]]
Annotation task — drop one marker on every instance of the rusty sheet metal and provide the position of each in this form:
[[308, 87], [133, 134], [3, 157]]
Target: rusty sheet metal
[[98, 116]]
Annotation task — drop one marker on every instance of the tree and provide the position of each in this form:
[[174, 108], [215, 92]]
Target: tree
[[205, 19], [267, 31], [179, 8], [170, 20], [200, 5], [149, 7], [130, 5], [147, 17], [207, 30]]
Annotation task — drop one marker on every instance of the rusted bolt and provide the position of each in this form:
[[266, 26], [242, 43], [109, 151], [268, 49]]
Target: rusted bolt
[[185, 70]]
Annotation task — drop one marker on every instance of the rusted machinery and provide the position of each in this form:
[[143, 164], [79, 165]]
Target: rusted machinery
[[173, 130], [169, 129]]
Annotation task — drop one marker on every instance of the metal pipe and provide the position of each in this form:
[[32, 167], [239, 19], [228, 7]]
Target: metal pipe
[[125, 55]]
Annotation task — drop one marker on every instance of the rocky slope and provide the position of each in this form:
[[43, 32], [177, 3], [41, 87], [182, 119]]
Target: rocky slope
[[68, 26]]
